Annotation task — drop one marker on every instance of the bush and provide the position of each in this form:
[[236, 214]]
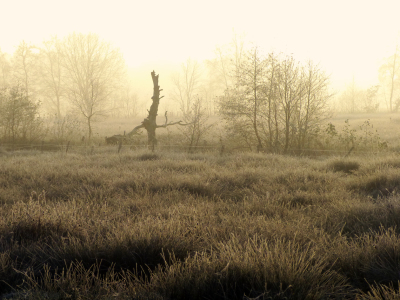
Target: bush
[[20, 120]]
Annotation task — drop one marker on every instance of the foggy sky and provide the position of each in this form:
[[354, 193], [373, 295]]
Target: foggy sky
[[348, 38]]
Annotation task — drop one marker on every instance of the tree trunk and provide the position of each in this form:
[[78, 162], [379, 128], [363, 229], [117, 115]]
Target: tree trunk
[[58, 106], [150, 123], [255, 112], [89, 128]]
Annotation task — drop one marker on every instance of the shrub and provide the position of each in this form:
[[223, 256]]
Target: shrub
[[19, 116]]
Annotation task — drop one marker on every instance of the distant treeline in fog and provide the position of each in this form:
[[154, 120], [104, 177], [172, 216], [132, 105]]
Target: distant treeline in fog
[[266, 101]]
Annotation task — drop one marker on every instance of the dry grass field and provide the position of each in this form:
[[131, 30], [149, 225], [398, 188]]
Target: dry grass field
[[173, 225]]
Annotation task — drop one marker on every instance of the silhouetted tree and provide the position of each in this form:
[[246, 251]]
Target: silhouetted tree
[[150, 123], [93, 71]]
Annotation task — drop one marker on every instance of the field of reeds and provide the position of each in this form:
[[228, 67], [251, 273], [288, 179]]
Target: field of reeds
[[167, 225]]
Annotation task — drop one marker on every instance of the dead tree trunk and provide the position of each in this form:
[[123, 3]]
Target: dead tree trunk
[[150, 123]]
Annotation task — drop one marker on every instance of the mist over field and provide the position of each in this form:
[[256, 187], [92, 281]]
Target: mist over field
[[199, 150]]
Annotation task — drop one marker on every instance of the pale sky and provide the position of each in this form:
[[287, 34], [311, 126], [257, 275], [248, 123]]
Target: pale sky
[[348, 38]]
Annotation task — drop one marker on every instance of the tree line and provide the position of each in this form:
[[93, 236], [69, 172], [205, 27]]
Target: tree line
[[272, 102], [80, 72], [265, 101]]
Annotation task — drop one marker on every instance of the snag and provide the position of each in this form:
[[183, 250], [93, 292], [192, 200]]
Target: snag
[[150, 123]]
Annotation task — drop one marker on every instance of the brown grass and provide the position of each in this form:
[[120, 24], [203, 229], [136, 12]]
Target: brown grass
[[165, 225], [141, 225]]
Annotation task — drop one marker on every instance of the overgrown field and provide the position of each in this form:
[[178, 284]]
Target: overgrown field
[[145, 225]]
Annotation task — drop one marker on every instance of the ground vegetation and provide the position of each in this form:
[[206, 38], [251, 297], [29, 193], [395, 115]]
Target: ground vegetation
[[165, 225]]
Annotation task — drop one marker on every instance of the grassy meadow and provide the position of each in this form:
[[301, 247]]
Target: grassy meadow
[[174, 225]]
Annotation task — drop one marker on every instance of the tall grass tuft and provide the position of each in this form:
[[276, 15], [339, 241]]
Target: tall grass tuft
[[381, 292], [279, 269]]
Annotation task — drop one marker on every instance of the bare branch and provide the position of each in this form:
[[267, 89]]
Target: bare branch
[[135, 130], [173, 123]]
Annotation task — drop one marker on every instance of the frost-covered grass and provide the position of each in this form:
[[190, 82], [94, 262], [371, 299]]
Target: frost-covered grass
[[141, 225]]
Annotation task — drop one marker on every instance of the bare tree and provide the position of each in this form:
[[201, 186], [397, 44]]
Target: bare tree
[[25, 66], [191, 93], [389, 74], [229, 60], [394, 74], [290, 92], [198, 125], [51, 85], [313, 105], [5, 69], [269, 114], [187, 85], [213, 85], [242, 103], [93, 70]]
